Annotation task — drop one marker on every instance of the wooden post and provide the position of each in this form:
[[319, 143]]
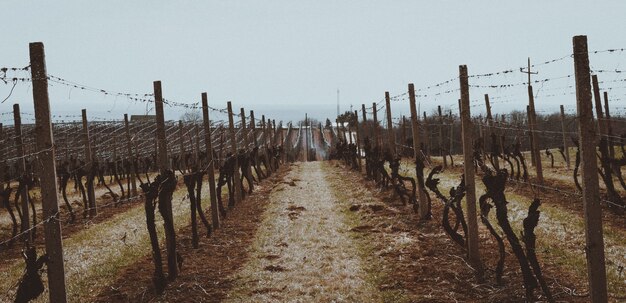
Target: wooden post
[[375, 119], [565, 145], [469, 174], [163, 161], [609, 127], [91, 195], [129, 150], [48, 175], [450, 148], [403, 136], [253, 128], [306, 138], [164, 167], [496, 163], [530, 137], [265, 144], [21, 165], [417, 154], [533, 131], [441, 149], [594, 248], [233, 150], [181, 145], [215, 214], [358, 138], [274, 131], [391, 136], [427, 150], [364, 123]]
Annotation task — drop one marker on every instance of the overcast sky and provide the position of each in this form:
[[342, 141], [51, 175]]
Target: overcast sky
[[285, 58]]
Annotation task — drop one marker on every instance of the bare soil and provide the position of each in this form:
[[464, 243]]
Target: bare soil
[[205, 276]]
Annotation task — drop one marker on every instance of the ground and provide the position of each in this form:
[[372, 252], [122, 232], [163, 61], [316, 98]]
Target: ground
[[321, 232]]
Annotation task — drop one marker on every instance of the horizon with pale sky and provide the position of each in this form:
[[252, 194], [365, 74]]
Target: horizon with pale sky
[[287, 58]]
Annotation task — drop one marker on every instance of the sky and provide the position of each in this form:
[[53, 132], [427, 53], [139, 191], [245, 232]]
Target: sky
[[287, 58]]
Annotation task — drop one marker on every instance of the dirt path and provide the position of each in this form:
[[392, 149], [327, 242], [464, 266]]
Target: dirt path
[[303, 251]]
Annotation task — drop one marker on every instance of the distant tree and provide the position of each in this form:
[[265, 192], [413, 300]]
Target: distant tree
[[311, 122], [328, 123], [192, 116], [348, 118]]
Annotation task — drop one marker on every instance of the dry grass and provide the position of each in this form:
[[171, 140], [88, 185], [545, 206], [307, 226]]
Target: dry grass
[[560, 233], [303, 251], [95, 255]]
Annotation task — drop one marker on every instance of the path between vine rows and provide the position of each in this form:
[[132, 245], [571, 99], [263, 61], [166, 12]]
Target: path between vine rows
[[303, 251]]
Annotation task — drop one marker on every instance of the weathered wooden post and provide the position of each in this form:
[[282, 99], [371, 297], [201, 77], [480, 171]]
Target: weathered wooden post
[[496, 160], [129, 150], [533, 131], [91, 195], [364, 131], [609, 127], [306, 138], [233, 150], [358, 138], [594, 249], [375, 142], [181, 146], [531, 142], [21, 165], [403, 136], [427, 149], [565, 144], [423, 210], [441, 149], [266, 145], [48, 175], [164, 168], [470, 190], [598, 105], [375, 120], [451, 147], [215, 214], [391, 136], [246, 142]]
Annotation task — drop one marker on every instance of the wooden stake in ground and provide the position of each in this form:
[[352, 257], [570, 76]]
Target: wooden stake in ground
[[424, 209], [165, 205], [129, 147], [47, 174], [358, 138], [215, 214], [21, 165], [533, 131], [427, 150], [565, 145], [181, 143], [375, 145], [91, 194], [609, 127], [531, 142], [233, 150], [594, 248], [496, 160], [403, 136], [375, 120], [441, 149], [470, 189], [391, 135], [306, 138]]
